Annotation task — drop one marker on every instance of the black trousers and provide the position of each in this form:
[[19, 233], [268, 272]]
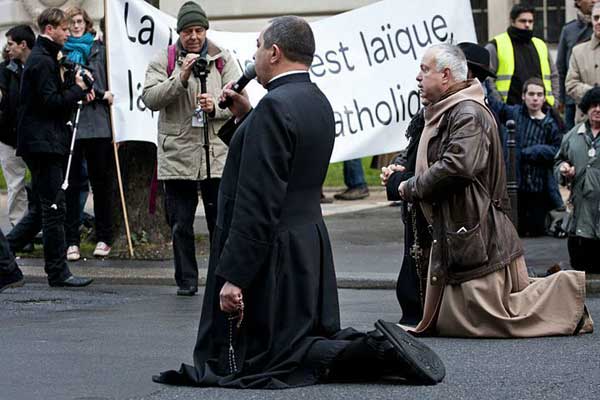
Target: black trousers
[[100, 165], [532, 209], [181, 203], [346, 357], [46, 211], [582, 254], [8, 265]]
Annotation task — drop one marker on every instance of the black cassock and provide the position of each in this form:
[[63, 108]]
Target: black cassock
[[271, 241]]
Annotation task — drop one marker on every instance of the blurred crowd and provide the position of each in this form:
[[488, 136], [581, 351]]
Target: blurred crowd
[[552, 103]]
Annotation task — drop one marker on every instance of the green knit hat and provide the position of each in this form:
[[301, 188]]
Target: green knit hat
[[191, 14]]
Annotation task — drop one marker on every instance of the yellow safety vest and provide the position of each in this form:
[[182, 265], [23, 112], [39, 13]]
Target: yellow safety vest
[[506, 65]]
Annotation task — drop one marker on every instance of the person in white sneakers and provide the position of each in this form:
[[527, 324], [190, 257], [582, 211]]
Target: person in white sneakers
[[94, 138]]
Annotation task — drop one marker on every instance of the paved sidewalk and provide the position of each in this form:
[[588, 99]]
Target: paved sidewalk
[[367, 240]]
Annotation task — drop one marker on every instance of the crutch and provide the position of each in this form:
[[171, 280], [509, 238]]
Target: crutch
[[65, 183]]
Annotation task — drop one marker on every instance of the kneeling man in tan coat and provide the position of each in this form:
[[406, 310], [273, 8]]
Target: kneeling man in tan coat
[[477, 281]]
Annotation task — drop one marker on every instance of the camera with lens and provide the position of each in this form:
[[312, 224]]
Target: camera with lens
[[200, 67], [72, 69], [89, 82]]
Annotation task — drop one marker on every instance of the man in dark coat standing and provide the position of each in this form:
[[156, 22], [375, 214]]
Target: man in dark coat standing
[[270, 317], [46, 106]]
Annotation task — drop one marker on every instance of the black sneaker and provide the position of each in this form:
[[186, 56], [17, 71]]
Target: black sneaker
[[11, 281]]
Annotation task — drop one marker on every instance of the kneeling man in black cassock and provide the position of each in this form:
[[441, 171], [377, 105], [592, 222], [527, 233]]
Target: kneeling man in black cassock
[[270, 317]]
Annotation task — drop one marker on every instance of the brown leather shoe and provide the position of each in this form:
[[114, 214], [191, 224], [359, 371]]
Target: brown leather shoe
[[356, 193]]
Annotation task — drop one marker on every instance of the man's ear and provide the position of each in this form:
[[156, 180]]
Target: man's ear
[[276, 54], [446, 75]]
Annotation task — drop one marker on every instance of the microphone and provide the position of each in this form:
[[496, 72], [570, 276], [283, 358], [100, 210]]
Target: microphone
[[247, 76]]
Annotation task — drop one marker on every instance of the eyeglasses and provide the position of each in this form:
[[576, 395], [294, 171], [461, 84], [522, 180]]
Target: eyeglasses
[[77, 22]]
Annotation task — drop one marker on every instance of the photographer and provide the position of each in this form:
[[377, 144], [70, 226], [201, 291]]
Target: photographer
[[173, 88], [46, 105], [94, 140]]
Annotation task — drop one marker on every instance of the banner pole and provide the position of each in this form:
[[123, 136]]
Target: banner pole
[[115, 148]]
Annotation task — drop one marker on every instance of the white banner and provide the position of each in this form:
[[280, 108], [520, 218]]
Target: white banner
[[366, 62]]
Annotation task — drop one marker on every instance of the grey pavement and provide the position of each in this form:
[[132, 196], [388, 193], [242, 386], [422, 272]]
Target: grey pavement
[[367, 240], [106, 341]]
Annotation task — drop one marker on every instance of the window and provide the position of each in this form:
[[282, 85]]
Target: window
[[549, 18]]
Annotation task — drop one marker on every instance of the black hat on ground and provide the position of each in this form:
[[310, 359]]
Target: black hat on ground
[[478, 60], [590, 98]]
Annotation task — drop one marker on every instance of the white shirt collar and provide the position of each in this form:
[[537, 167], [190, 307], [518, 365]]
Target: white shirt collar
[[297, 71]]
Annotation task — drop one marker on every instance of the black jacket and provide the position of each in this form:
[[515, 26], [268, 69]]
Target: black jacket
[[46, 103], [10, 75], [94, 121]]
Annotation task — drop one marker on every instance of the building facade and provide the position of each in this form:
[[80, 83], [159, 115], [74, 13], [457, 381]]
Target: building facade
[[491, 16]]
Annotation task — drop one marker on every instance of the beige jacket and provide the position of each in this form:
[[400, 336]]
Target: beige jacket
[[179, 145], [584, 71]]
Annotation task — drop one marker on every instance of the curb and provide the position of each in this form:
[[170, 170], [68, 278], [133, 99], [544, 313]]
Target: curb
[[164, 277]]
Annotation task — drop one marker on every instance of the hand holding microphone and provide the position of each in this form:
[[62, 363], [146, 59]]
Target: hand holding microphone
[[227, 98]]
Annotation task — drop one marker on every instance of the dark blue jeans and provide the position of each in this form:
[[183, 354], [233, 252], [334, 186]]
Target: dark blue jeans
[[354, 176], [46, 211]]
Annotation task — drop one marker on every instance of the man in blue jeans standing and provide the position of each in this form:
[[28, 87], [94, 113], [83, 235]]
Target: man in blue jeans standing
[[354, 178]]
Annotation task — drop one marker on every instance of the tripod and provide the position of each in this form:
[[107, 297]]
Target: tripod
[[209, 186]]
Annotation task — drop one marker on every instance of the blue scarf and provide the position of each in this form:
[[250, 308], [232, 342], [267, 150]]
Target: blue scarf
[[79, 48]]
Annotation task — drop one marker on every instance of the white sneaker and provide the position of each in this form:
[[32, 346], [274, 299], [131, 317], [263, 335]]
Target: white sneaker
[[73, 253], [101, 250]]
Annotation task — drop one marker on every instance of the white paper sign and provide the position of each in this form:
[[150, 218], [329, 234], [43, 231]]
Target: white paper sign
[[366, 62]]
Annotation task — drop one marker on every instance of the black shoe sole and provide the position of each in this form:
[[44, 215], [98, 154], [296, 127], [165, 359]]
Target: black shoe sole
[[185, 293], [16, 284], [427, 368]]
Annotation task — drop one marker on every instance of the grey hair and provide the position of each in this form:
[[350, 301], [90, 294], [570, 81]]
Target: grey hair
[[595, 6], [453, 58]]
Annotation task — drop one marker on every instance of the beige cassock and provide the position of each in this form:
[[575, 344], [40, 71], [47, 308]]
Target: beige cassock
[[507, 303]]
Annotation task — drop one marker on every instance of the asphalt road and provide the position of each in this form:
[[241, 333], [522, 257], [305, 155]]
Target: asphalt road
[[105, 342]]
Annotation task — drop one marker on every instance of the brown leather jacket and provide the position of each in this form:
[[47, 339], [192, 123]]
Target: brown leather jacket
[[463, 195]]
